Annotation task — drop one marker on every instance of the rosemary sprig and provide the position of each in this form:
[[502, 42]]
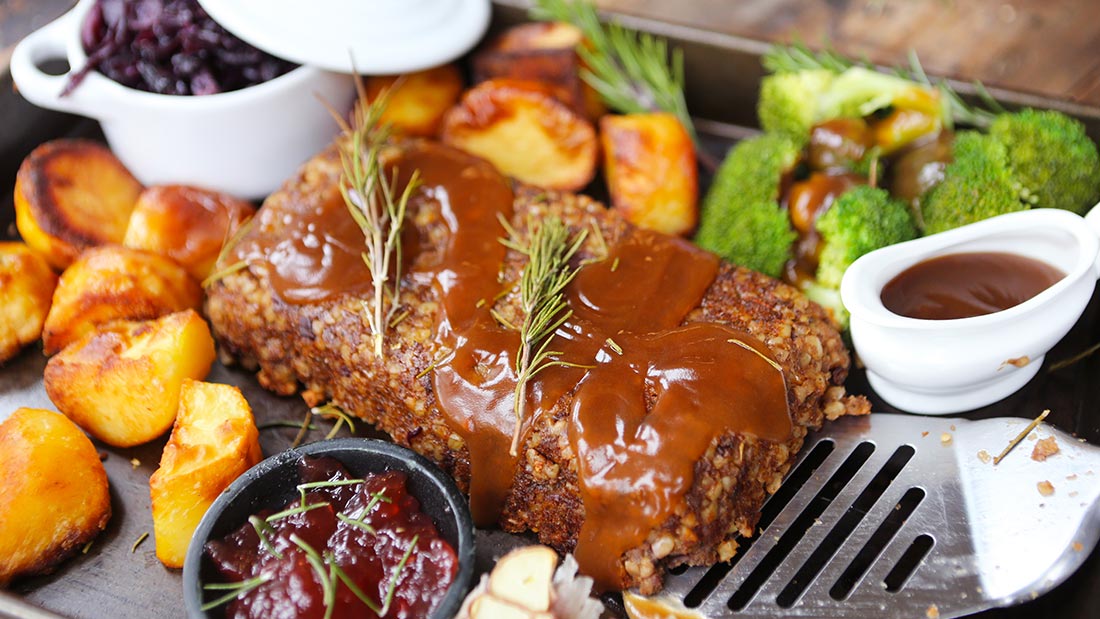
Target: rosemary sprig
[[342, 418], [235, 589], [632, 71], [542, 300], [377, 207], [263, 529], [301, 509], [796, 56]]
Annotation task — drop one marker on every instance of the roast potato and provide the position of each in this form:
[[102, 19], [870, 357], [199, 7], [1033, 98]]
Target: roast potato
[[522, 129], [53, 492], [420, 100], [71, 195], [187, 224], [26, 287], [213, 441], [122, 383], [115, 283], [649, 162], [544, 52]]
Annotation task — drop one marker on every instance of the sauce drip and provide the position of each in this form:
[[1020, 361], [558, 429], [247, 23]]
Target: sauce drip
[[655, 393], [964, 285], [805, 201]]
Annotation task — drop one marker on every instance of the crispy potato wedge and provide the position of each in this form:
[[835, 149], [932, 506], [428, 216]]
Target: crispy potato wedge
[[53, 492], [649, 162], [421, 99], [543, 52], [525, 132], [71, 195], [115, 283], [213, 441], [26, 288], [187, 224], [122, 383]]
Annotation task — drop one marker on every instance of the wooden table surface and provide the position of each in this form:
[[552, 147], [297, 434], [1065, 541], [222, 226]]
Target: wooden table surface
[[1045, 47]]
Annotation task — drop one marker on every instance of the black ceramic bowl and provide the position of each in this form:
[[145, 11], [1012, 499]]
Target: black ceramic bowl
[[272, 484]]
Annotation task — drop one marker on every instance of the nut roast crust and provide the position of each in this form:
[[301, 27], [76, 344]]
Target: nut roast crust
[[324, 350]]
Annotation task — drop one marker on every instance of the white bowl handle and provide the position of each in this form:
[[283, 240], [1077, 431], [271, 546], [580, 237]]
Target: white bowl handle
[[43, 89], [1092, 219]]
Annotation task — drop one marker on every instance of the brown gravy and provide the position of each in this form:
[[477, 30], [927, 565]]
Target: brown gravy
[[965, 285], [655, 391]]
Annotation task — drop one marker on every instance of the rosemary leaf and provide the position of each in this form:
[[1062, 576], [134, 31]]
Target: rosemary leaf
[[301, 509], [262, 529], [542, 300], [377, 208], [632, 71], [235, 589], [397, 574]]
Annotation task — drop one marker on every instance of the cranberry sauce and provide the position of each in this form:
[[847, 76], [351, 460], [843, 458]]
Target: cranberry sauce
[[369, 532]]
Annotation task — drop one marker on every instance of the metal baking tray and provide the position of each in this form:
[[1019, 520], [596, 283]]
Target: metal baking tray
[[723, 73]]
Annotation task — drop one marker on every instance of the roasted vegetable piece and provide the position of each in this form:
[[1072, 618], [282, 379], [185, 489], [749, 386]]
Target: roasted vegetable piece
[[26, 287], [861, 220], [976, 185], [112, 283], [53, 492], [420, 100], [187, 224], [649, 162], [213, 441], [544, 52], [741, 219], [1049, 153], [71, 195], [122, 383], [523, 130]]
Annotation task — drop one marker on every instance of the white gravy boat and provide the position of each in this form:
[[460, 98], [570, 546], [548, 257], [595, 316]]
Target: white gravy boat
[[949, 366]]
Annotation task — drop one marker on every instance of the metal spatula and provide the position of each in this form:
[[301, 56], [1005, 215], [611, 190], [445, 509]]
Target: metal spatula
[[893, 515]]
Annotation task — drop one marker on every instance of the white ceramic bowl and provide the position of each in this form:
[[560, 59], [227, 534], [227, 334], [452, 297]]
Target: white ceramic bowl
[[950, 366], [245, 142]]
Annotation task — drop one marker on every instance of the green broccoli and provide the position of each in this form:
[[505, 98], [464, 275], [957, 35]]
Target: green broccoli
[[828, 298], [861, 220], [787, 101], [1049, 153], [792, 102], [976, 185], [741, 219]]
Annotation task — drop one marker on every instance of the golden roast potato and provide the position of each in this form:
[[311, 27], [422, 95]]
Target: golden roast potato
[[649, 162], [26, 287], [421, 99], [115, 283], [53, 492], [523, 130], [213, 441], [71, 195], [122, 383], [187, 224]]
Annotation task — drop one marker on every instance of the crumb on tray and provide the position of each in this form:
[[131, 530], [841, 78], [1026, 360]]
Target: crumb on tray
[[1044, 449]]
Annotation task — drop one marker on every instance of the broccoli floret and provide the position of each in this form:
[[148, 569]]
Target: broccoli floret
[[788, 101], [828, 298], [1049, 153], [741, 219], [860, 92], [793, 102], [861, 220], [976, 185]]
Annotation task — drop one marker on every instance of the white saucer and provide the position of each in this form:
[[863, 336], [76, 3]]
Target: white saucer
[[378, 37]]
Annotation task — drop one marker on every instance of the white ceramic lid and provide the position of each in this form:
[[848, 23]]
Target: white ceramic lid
[[378, 36]]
